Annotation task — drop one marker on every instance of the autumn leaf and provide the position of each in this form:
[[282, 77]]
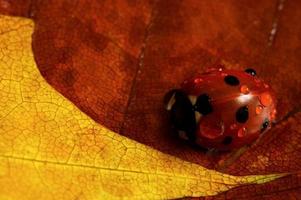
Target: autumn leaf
[[116, 60], [49, 149]]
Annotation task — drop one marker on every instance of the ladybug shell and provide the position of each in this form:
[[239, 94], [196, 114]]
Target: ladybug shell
[[232, 108]]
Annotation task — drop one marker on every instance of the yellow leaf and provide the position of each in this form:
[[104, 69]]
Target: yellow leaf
[[49, 149]]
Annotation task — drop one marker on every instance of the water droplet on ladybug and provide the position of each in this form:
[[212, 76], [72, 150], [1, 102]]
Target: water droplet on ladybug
[[198, 80], [273, 114], [221, 67], [244, 89], [258, 109], [242, 132], [212, 129], [265, 99]]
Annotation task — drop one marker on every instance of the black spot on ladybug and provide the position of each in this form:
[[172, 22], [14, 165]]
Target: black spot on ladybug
[[264, 125], [231, 80], [182, 114], [203, 104], [227, 140], [251, 71], [242, 114]]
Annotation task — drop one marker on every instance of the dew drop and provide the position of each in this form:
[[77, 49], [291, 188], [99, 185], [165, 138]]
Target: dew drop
[[221, 67], [198, 80], [212, 129], [265, 99], [242, 132], [258, 109], [273, 114], [244, 89]]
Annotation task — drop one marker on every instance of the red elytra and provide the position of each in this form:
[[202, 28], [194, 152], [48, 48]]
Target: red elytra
[[223, 109]]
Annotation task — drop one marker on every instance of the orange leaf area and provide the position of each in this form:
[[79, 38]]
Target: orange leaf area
[[115, 60], [49, 149]]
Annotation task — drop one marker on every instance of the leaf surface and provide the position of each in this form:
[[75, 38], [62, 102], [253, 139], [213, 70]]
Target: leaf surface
[[50, 149], [115, 60]]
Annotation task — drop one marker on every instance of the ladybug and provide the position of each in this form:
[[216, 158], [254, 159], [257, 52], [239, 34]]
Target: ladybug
[[222, 109]]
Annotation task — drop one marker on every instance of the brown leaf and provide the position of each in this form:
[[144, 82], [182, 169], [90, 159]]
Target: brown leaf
[[116, 60], [50, 149]]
